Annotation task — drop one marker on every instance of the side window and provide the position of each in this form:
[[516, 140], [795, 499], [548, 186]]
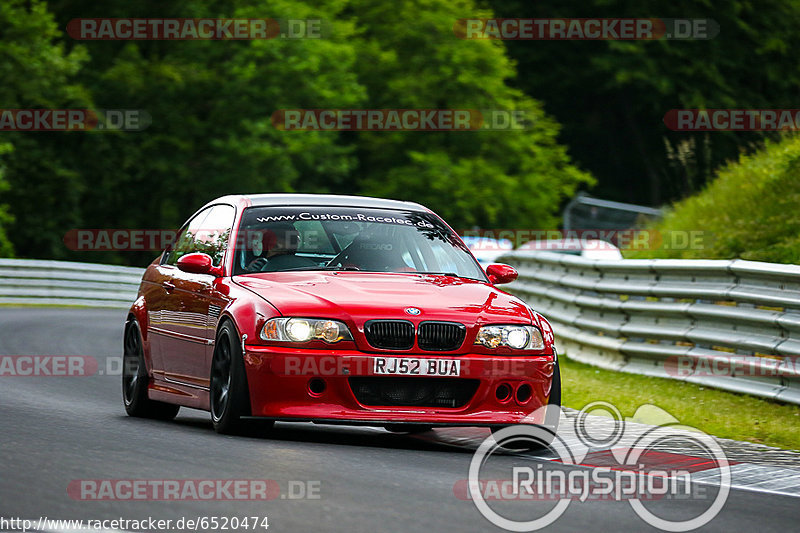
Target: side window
[[185, 242], [213, 237]]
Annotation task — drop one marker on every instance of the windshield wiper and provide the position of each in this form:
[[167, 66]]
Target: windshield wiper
[[355, 268], [451, 274], [312, 268]]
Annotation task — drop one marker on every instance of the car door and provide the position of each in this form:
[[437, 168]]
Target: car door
[[165, 328], [182, 320], [213, 240]]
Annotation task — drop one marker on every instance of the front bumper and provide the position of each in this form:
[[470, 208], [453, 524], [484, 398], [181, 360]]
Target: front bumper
[[285, 384]]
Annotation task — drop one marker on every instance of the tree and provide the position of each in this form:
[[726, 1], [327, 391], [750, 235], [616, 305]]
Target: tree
[[37, 71], [611, 96], [211, 134], [210, 103], [6, 249], [410, 58]]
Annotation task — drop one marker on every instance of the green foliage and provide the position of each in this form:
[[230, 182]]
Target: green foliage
[[211, 103], [611, 96], [490, 178], [748, 211], [37, 71], [6, 249]]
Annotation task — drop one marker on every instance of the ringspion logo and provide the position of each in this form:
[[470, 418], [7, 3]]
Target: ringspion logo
[[604, 462]]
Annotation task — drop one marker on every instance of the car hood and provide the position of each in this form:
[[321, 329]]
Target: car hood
[[362, 296]]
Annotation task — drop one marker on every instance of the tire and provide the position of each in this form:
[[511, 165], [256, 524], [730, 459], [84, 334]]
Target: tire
[[229, 395], [550, 423], [135, 380]]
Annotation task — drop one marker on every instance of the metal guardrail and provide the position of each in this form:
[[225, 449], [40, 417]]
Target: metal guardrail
[[33, 282], [583, 211], [733, 325]]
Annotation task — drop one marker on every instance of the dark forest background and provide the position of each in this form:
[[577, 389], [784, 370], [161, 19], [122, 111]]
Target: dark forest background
[[596, 110]]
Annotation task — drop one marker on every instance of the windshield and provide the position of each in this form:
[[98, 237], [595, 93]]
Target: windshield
[[280, 239]]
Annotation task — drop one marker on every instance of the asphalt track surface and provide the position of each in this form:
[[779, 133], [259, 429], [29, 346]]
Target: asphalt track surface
[[54, 430]]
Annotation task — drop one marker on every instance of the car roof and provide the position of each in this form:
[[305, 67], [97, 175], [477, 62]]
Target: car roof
[[280, 199]]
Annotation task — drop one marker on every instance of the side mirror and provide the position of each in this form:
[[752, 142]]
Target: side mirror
[[197, 263], [499, 273]]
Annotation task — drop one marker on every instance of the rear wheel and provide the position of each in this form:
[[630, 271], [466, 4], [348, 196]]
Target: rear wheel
[[229, 393], [135, 379], [550, 426]]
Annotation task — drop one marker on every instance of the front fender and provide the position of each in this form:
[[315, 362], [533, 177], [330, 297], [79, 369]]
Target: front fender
[[139, 312], [247, 311]]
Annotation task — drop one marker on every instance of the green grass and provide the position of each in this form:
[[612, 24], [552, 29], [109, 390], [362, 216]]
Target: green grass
[[748, 211], [715, 412]]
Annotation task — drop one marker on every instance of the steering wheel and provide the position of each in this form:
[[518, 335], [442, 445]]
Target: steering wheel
[[257, 264]]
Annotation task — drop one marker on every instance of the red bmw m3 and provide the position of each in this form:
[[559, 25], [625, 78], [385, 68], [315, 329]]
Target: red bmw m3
[[333, 309]]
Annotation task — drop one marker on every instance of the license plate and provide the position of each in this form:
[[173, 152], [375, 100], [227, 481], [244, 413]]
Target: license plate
[[408, 366]]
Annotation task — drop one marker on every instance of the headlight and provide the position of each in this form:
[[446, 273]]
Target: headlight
[[299, 330], [516, 337], [304, 330]]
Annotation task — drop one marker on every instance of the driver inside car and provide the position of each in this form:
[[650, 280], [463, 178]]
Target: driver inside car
[[275, 249]]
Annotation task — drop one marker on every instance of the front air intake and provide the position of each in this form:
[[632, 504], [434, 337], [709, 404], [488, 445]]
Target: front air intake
[[390, 334], [413, 391], [441, 336]]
